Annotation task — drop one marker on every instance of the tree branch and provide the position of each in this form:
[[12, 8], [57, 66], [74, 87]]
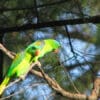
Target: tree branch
[[94, 95], [7, 52], [93, 19]]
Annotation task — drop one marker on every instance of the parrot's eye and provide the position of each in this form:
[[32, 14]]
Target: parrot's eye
[[33, 48]]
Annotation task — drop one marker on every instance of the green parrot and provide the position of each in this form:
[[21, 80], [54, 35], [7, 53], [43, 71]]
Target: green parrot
[[21, 64]]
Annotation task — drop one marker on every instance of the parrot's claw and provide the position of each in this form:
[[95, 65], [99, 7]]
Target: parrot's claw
[[38, 63], [22, 77]]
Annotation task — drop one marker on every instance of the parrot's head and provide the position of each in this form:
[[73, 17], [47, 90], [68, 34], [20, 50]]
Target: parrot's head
[[33, 50]]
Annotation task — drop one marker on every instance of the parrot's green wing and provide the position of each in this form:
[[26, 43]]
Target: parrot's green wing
[[20, 64]]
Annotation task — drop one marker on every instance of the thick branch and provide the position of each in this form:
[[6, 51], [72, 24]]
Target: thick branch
[[94, 19], [56, 86]]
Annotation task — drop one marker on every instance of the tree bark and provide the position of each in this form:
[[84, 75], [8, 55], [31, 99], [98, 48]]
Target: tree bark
[[93, 19]]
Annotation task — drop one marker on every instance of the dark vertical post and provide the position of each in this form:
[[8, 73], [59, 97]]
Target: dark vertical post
[[36, 11], [1, 59]]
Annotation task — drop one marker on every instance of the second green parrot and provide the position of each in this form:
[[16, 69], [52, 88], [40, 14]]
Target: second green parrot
[[21, 64]]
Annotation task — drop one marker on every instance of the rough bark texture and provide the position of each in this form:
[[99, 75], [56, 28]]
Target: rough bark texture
[[93, 19]]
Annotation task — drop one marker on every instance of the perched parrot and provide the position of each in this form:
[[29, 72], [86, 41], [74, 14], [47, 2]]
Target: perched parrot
[[21, 64]]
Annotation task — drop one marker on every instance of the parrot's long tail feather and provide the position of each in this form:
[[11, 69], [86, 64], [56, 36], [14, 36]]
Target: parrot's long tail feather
[[3, 84]]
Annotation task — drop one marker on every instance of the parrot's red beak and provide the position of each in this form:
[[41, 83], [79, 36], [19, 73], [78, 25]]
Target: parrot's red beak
[[37, 52]]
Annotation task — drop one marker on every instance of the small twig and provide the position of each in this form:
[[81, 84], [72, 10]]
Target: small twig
[[7, 52], [12, 83], [72, 83]]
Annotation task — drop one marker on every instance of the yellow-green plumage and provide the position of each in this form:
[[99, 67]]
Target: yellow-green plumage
[[3, 85], [19, 67], [21, 64]]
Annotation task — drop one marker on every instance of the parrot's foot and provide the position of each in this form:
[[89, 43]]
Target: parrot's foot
[[22, 77], [38, 64]]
